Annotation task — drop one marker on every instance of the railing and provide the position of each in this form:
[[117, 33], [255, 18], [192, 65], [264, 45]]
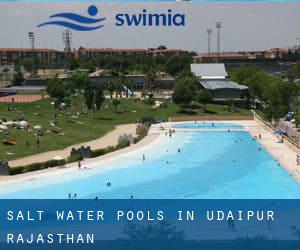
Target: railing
[[211, 118]]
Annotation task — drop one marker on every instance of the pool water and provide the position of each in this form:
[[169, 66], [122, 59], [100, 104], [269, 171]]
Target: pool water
[[208, 125], [209, 165]]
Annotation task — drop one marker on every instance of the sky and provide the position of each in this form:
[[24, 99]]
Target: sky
[[245, 26]]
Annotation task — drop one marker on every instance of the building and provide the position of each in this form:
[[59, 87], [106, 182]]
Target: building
[[136, 81], [244, 56], [229, 57], [166, 52], [11, 55], [92, 53], [83, 54], [214, 78]]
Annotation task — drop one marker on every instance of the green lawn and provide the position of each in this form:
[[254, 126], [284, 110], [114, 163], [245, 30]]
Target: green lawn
[[79, 130]]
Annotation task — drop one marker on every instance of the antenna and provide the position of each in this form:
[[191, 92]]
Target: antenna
[[218, 26], [209, 31], [67, 40]]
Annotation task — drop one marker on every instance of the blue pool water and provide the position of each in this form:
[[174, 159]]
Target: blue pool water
[[208, 125], [210, 165]]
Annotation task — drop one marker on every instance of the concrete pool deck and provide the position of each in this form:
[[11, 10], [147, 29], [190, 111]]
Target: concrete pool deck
[[284, 153]]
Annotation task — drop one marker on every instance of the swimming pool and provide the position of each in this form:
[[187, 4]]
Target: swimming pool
[[208, 125], [209, 165]]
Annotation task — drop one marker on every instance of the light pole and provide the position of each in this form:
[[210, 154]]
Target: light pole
[[209, 31], [32, 40], [218, 26]]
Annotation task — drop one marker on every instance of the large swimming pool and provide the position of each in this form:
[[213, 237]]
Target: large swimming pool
[[209, 165]]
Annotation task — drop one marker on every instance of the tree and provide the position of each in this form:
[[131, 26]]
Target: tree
[[55, 89], [28, 64], [204, 97], [94, 98], [79, 80], [151, 79], [184, 91], [177, 64], [18, 77], [111, 88], [89, 65], [116, 103]]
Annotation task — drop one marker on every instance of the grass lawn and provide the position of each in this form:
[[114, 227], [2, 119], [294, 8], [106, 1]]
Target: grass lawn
[[84, 128]]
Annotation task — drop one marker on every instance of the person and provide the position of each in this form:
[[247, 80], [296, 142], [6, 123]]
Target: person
[[178, 150], [96, 198], [75, 195], [259, 136], [79, 164], [144, 158], [69, 195], [298, 160], [38, 142], [131, 197]]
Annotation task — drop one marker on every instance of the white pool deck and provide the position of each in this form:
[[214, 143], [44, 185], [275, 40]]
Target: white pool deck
[[284, 153]]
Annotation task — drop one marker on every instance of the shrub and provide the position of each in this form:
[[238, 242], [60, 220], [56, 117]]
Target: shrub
[[16, 170], [147, 119], [74, 157], [36, 166], [98, 152]]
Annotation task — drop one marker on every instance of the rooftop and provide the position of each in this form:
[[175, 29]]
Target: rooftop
[[209, 70], [221, 84]]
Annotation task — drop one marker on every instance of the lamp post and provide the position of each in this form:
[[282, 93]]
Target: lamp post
[[32, 40], [218, 26]]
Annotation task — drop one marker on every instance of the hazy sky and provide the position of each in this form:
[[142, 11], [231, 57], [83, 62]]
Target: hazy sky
[[246, 26]]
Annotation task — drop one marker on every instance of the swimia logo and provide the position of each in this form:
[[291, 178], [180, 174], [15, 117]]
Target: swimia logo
[[75, 21], [150, 19], [88, 23]]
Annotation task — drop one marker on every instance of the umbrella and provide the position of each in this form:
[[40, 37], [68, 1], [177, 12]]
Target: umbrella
[[279, 132]]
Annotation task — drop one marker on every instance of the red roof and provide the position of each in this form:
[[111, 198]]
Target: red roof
[[111, 50], [26, 50]]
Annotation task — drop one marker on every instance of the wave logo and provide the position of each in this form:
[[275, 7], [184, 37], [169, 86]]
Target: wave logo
[[77, 22]]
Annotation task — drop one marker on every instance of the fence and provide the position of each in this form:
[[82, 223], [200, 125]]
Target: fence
[[211, 118]]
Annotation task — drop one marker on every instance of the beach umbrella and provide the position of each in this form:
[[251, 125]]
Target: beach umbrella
[[279, 132]]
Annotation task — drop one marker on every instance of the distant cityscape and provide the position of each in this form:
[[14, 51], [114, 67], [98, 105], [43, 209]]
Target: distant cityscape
[[10, 56]]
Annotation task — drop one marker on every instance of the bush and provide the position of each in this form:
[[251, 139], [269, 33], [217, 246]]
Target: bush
[[123, 144], [36, 166], [16, 170], [147, 119], [98, 152]]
